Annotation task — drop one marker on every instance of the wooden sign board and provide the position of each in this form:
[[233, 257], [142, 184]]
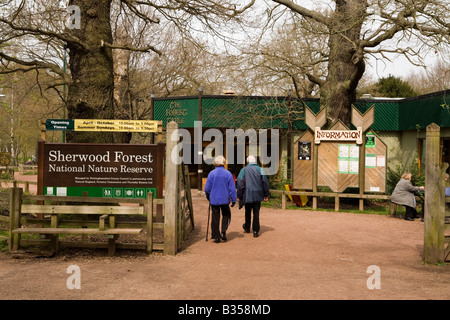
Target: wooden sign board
[[330, 163], [375, 164], [339, 163], [338, 135], [101, 170], [303, 167]]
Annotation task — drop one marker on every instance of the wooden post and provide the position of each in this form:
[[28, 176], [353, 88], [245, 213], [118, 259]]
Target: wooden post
[[160, 180], [170, 198], [54, 238], [434, 219], [187, 183], [149, 214], [180, 205], [15, 216], [362, 171], [283, 200], [315, 172]]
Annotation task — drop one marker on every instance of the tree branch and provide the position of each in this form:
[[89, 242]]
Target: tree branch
[[305, 12], [131, 48], [36, 31], [35, 64]]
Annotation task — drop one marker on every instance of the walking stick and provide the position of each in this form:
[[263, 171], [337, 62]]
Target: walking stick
[[207, 226]]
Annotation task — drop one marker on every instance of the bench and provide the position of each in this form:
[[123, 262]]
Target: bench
[[82, 219], [393, 210]]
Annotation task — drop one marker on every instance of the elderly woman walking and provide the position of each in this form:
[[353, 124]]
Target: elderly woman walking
[[404, 195], [220, 191]]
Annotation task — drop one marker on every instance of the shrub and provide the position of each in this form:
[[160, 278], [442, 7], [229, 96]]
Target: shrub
[[394, 176]]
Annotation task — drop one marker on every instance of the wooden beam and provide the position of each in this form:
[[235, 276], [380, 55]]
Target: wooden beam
[[171, 188], [434, 219]]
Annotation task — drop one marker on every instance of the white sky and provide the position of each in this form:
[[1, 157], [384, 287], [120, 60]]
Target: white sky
[[399, 66]]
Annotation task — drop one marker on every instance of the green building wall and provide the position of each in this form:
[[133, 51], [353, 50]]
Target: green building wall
[[399, 123]]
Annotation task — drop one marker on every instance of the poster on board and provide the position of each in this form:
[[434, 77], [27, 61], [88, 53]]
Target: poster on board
[[304, 150]]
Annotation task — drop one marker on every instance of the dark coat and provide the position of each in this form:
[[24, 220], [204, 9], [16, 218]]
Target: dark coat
[[252, 184]]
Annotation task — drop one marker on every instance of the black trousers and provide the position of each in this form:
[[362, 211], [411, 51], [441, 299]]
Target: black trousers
[[410, 212], [255, 207], [215, 220]]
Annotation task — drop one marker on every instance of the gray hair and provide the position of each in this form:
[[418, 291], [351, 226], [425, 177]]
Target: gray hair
[[219, 161], [251, 159]]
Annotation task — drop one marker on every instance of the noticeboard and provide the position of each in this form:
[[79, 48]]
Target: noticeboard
[[304, 150], [103, 125]]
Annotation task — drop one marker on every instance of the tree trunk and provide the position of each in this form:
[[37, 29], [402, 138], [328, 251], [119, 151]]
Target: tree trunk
[[122, 99], [346, 64], [90, 95]]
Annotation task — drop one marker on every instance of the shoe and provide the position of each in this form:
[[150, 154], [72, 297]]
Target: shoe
[[245, 230], [217, 240], [223, 236], [409, 219], [255, 234]]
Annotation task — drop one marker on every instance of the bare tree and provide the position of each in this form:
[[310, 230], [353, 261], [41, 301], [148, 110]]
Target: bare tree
[[33, 34], [23, 102], [355, 29], [434, 78]]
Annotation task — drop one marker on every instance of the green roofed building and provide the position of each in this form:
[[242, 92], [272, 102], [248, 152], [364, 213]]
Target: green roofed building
[[399, 123]]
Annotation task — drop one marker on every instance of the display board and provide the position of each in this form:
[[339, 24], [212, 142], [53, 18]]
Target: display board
[[338, 170], [339, 160], [303, 164], [101, 170], [375, 164]]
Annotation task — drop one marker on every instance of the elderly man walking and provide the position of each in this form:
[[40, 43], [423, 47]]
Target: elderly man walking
[[220, 191], [253, 188]]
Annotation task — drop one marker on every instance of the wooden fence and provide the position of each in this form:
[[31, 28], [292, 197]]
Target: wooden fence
[[159, 231], [55, 215], [22, 169], [17, 183], [335, 195], [174, 212], [437, 214]]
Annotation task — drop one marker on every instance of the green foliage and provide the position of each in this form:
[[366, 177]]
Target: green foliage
[[3, 244], [393, 87], [394, 176], [6, 176]]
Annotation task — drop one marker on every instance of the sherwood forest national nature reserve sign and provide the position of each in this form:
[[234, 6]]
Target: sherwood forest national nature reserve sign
[[102, 170]]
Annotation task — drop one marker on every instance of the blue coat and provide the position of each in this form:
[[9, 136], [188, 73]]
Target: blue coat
[[252, 184], [219, 187]]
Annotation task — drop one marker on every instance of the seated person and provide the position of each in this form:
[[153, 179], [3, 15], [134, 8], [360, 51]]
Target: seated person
[[404, 195]]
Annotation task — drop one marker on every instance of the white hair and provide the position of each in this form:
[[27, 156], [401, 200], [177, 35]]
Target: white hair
[[219, 161], [251, 159]]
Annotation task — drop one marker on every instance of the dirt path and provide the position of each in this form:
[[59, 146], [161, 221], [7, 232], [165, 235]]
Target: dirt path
[[299, 255]]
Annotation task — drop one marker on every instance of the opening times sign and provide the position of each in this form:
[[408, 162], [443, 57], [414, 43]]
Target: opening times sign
[[102, 170], [104, 125]]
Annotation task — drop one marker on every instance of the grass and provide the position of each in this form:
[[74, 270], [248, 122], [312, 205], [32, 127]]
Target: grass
[[3, 236]]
